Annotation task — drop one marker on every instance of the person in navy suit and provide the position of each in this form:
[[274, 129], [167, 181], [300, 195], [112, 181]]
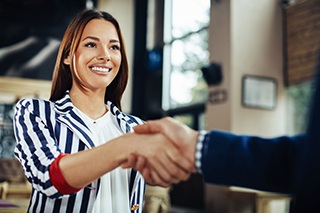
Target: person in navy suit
[[286, 164]]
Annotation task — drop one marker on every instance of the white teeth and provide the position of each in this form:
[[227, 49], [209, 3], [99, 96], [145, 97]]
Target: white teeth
[[100, 69]]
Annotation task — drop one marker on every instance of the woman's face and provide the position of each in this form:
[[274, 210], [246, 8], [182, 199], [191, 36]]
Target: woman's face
[[97, 59]]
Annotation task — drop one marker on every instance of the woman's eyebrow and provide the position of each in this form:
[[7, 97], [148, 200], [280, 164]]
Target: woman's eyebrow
[[91, 37], [114, 41], [97, 39]]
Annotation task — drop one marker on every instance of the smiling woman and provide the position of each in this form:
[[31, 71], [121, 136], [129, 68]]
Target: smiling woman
[[69, 146], [96, 61], [78, 121]]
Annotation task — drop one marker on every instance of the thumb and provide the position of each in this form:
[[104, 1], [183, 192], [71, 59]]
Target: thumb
[[130, 162], [147, 128], [141, 129]]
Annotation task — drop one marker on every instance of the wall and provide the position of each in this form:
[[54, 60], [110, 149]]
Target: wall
[[257, 49], [246, 38], [218, 116], [12, 89]]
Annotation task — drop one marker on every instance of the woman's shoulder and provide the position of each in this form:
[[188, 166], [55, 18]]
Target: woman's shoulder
[[34, 103], [134, 118], [129, 118]]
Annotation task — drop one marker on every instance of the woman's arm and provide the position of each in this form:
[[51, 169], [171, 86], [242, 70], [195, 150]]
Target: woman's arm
[[82, 168], [37, 149]]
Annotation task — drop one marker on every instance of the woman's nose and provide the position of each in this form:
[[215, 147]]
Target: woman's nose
[[104, 55]]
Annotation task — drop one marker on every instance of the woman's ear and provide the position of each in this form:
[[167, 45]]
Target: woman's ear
[[67, 60]]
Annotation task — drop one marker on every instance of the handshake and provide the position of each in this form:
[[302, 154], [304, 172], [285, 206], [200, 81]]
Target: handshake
[[163, 152]]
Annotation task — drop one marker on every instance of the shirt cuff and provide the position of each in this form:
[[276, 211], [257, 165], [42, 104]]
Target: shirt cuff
[[57, 178], [198, 153]]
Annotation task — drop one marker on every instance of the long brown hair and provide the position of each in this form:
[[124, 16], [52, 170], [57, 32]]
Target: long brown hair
[[62, 79]]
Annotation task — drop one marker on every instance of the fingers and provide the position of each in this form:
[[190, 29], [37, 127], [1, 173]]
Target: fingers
[[167, 165], [136, 162], [158, 180], [131, 162], [177, 132], [151, 175], [181, 166], [152, 178], [140, 163], [148, 127], [158, 160]]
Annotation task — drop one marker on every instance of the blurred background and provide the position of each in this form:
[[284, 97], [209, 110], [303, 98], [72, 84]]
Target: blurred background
[[241, 66]]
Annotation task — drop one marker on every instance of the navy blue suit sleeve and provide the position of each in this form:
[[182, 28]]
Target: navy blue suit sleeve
[[307, 185], [251, 162]]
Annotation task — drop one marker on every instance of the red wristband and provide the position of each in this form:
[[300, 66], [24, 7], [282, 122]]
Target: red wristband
[[57, 178]]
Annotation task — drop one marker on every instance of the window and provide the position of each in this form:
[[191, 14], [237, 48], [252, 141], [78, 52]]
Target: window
[[185, 52], [299, 98], [184, 90]]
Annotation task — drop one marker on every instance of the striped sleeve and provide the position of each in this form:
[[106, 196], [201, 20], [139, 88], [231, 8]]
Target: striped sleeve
[[36, 148]]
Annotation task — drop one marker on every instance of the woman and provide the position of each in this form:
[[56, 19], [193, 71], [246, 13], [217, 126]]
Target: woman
[[69, 146]]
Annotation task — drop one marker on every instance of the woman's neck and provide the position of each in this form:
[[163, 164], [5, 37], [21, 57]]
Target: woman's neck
[[90, 103]]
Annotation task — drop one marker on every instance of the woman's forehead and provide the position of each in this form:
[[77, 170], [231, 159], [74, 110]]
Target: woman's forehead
[[100, 28]]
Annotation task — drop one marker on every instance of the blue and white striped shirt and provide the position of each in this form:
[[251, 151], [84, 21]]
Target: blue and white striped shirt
[[45, 129]]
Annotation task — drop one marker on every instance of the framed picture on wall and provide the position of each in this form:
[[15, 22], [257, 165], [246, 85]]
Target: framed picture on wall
[[259, 92]]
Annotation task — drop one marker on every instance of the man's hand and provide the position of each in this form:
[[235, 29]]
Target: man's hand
[[181, 137], [157, 159]]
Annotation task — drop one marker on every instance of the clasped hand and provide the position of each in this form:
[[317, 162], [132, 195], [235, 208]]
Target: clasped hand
[[168, 155]]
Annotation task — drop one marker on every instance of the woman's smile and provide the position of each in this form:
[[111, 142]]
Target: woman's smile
[[100, 69]]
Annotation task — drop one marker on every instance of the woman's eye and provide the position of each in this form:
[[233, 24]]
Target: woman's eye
[[90, 44], [115, 47]]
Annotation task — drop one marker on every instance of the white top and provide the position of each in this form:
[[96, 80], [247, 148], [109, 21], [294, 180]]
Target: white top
[[113, 196]]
